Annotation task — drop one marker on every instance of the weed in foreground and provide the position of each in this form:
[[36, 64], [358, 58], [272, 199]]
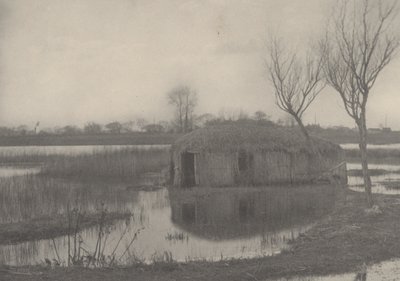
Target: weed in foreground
[[78, 253]]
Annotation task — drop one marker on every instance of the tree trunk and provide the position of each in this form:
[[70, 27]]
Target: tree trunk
[[362, 128], [180, 122], [185, 121], [302, 128], [314, 158], [185, 128]]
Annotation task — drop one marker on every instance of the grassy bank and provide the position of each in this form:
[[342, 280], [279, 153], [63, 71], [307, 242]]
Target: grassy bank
[[50, 227], [137, 138], [337, 244]]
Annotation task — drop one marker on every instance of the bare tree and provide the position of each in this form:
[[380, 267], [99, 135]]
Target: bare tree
[[185, 100], [114, 127], [359, 43], [92, 128], [141, 123], [260, 115], [296, 81]]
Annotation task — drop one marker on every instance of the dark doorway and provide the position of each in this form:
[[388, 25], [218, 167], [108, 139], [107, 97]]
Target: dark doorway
[[188, 169], [246, 209], [188, 213], [245, 167], [245, 161]]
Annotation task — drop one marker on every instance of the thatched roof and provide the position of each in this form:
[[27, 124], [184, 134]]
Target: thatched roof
[[250, 137]]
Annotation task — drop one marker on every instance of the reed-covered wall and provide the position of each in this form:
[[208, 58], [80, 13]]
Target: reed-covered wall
[[269, 167]]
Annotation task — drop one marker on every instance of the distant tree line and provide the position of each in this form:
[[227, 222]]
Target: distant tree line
[[142, 125]]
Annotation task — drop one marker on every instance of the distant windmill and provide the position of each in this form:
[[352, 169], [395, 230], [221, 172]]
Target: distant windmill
[[36, 127]]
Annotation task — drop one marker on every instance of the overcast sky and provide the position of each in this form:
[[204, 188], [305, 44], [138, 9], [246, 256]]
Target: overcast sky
[[73, 61]]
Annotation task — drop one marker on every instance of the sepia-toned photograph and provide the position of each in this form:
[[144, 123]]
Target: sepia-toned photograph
[[204, 140]]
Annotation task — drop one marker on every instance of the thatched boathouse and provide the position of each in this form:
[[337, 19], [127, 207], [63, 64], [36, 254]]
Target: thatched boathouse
[[229, 155]]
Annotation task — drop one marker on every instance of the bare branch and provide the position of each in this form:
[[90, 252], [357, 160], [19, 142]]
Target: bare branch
[[184, 100], [296, 82], [357, 48]]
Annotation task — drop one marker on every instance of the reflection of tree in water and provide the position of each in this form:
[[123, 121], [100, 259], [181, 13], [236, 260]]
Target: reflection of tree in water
[[227, 213]]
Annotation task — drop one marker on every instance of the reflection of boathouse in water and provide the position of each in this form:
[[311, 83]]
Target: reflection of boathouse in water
[[229, 155], [227, 213]]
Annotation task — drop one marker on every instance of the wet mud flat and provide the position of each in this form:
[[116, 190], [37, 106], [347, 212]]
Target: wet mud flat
[[338, 243]]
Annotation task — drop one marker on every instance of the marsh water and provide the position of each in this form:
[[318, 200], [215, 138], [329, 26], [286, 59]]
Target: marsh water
[[386, 180], [185, 230], [383, 165], [201, 223], [372, 146]]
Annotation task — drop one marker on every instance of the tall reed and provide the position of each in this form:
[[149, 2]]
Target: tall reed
[[122, 164], [31, 197]]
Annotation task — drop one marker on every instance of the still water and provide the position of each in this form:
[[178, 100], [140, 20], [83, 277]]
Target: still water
[[386, 183], [11, 171], [191, 225], [372, 146]]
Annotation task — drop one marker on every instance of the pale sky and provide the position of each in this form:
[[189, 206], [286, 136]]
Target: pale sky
[[73, 61]]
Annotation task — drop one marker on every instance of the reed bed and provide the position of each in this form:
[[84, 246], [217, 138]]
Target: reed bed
[[136, 138], [122, 164], [31, 197], [101, 163]]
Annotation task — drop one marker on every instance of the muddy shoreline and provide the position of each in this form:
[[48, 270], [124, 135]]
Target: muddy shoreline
[[339, 243]]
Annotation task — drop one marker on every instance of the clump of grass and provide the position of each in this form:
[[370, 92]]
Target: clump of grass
[[177, 236], [162, 258], [79, 255]]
